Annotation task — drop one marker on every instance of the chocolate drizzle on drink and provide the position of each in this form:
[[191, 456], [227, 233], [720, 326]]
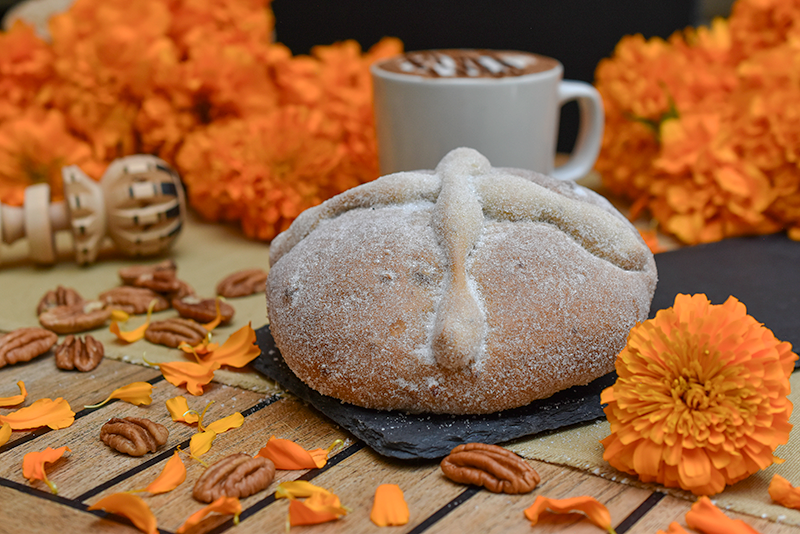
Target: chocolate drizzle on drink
[[468, 63]]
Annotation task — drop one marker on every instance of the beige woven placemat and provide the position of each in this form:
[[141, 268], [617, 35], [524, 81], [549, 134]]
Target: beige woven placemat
[[205, 253]]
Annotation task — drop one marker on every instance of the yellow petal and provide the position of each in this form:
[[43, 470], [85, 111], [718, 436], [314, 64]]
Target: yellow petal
[[223, 505], [5, 433], [218, 319], [172, 476], [119, 316], [709, 519], [194, 375], [201, 443], [179, 410], [297, 489], [16, 399], [137, 333], [44, 412], [137, 393], [594, 511], [238, 350], [33, 464], [226, 423], [130, 506], [286, 454], [389, 507]]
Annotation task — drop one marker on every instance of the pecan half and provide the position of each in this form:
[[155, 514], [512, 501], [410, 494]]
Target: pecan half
[[129, 274], [495, 468], [134, 300], [159, 281], [202, 310], [24, 344], [238, 475], [133, 435], [242, 283], [76, 318], [81, 354], [60, 296], [173, 332]]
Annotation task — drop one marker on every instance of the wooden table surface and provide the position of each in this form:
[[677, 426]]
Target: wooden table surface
[[92, 470]]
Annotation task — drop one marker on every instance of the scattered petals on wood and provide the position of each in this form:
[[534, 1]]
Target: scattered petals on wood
[[589, 506], [783, 493], [137, 333], [130, 506], [137, 393], [223, 505], [705, 517], [318, 508], [172, 476], [44, 412], [389, 507], [33, 464], [180, 412], [286, 454], [15, 399], [194, 375], [5, 433], [238, 350]]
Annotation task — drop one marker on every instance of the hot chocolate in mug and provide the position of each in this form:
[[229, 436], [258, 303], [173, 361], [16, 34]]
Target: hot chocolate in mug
[[505, 104]]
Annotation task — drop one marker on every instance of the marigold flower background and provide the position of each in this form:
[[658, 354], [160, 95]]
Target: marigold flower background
[[257, 134], [703, 129]]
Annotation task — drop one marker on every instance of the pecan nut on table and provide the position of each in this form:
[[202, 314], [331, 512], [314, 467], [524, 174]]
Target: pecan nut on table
[[495, 468], [134, 436], [238, 475], [133, 300], [60, 296], [131, 273], [75, 318], [83, 354], [242, 283], [173, 332], [24, 344], [202, 310]]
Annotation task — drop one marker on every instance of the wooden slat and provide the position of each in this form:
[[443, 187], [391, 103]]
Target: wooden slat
[[307, 428], [674, 509], [488, 512], [22, 512]]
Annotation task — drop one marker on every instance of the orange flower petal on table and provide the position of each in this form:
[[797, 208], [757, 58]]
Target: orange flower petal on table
[[33, 464], [297, 489], [130, 506], [709, 519], [137, 333], [783, 493], [223, 505], [389, 507], [318, 508], [218, 319], [286, 454], [16, 399], [172, 476], [201, 442], [137, 393], [238, 350], [5, 433], [674, 528], [589, 506], [179, 410], [44, 412], [194, 375]]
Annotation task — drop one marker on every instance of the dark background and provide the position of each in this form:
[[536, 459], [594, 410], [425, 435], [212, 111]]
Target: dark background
[[579, 33]]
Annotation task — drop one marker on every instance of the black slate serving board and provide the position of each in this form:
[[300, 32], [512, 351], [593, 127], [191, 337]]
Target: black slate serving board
[[762, 272]]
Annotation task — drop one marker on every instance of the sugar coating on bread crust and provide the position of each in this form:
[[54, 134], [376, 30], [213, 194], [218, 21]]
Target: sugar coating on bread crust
[[468, 289]]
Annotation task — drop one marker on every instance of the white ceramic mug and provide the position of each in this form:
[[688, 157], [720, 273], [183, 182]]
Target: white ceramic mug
[[512, 119]]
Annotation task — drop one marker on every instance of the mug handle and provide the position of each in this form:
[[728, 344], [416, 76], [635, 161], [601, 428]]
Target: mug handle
[[590, 131]]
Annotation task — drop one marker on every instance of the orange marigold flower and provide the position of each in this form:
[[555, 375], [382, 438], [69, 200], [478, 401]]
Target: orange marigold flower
[[33, 464], [700, 400], [708, 519], [589, 506], [26, 62], [783, 493]]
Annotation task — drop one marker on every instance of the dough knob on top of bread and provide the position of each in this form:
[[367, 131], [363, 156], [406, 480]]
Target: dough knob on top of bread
[[467, 289]]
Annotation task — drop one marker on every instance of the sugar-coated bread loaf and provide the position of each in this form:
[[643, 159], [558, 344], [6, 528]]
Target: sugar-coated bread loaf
[[468, 289]]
